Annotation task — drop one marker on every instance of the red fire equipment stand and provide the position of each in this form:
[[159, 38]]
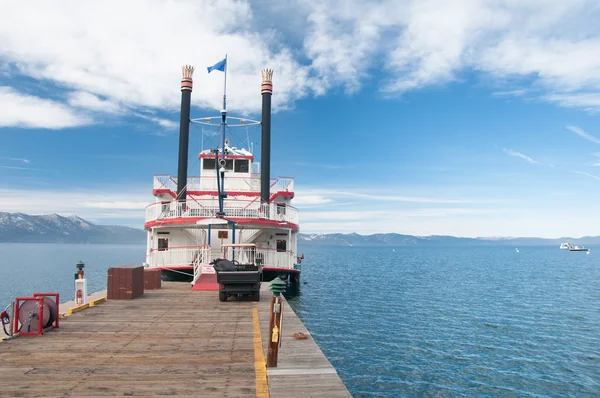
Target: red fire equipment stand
[[39, 298]]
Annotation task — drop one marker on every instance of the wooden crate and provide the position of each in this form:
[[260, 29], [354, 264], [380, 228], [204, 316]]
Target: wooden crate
[[152, 278], [125, 282]]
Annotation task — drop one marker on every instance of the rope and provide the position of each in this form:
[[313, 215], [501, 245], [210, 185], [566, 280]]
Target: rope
[[172, 270]]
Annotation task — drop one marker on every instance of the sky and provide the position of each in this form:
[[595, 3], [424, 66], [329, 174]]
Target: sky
[[424, 117]]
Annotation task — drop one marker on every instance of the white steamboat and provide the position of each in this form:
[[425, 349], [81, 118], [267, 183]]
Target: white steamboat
[[232, 210]]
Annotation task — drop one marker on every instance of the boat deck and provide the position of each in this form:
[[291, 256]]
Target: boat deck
[[172, 341]]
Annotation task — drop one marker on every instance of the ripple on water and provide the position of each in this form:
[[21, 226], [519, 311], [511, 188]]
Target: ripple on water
[[455, 322]]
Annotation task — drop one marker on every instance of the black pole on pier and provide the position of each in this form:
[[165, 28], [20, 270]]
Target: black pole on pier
[[265, 154], [184, 130]]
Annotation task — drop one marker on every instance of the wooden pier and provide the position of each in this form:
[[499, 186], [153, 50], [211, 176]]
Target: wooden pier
[[172, 341]]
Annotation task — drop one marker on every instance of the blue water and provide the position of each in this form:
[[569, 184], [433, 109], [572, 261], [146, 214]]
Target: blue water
[[28, 268], [435, 322], [456, 321]]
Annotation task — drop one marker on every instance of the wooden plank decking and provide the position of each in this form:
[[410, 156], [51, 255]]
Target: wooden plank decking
[[302, 368], [173, 342]]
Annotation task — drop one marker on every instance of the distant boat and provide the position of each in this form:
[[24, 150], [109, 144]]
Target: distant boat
[[573, 248], [517, 250], [578, 249]]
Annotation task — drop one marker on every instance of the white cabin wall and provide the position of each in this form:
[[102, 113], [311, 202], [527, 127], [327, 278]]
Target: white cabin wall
[[176, 237], [294, 244], [149, 240], [164, 197]]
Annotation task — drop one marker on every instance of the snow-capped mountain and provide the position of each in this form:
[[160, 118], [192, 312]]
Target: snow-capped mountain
[[53, 228], [392, 239]]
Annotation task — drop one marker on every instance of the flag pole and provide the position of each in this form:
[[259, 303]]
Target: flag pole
[[225, 86], [222, 194]]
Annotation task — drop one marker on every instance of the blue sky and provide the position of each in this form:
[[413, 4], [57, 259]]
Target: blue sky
[[466, 118]]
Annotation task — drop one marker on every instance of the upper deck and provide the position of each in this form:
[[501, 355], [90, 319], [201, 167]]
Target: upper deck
[[250, 212], [242, 184], [247, 185]]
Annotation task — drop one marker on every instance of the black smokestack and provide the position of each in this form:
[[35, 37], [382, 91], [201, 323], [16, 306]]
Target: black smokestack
[[265, 161], [184, 130]]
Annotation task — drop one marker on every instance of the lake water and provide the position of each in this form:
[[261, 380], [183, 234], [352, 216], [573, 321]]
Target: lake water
[[410, 322]]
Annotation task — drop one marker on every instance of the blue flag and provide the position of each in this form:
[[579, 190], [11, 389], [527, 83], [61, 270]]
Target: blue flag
[[218, 66]]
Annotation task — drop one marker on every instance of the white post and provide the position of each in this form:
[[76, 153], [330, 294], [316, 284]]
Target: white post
[[289, 251], [149, 241], [81, 296]]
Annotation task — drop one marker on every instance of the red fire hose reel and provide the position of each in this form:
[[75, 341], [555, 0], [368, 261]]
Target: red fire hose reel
[[35, 315]]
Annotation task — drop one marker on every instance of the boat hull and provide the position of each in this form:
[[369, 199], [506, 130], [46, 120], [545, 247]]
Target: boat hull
[[288, 275], [186, 274], [177, 274], [579, 250]]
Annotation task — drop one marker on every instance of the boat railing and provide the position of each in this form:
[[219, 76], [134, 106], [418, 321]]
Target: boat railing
[[274, 258], [165, 181], [199, 257], [271, 258], [232, 183], [283, 184], [232, 209], [178, 256]]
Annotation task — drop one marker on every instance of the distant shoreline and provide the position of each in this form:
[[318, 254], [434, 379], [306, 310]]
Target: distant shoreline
[[73, 243]]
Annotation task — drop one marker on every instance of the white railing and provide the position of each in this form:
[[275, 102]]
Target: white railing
[[270, 258], [179, 256], [209, 183], [283, 184], [275, 259], [164, 181], [242, 184], [232, 209], [243, 255]]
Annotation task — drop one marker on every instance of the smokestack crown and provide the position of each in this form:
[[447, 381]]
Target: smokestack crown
[[267, 81], [186, 79]]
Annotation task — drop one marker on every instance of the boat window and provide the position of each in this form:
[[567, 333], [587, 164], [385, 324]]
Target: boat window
[[280, 208], [208, 164], [163, 244], [241, 165], [281, 245]]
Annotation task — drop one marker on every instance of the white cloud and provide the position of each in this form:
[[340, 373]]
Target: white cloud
[[550, 48], [28, 111], [167, 124], [588, 101], [115, 205], [510, 152], [510, 93], [93, 205], [399, 198], [587, 174], [583, 134], [86, 100], [311, 200], [18, 168], [137, 61], [15, 159]]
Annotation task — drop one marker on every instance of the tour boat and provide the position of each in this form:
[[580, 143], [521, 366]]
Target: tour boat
[[573, 248], [232, 210]]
